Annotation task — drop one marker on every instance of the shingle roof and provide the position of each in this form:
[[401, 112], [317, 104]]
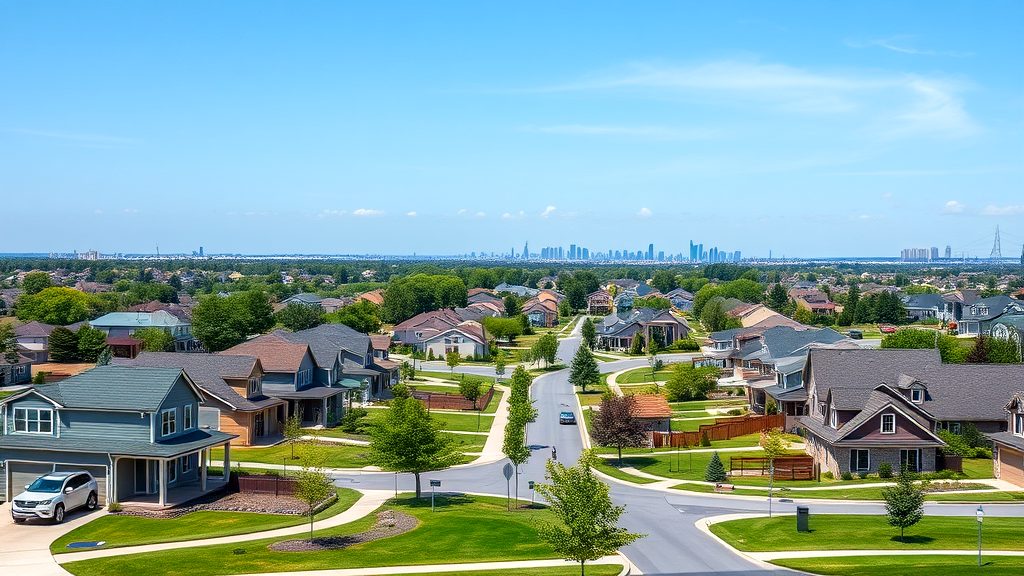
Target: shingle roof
[[113, 388], [33, 329], [160, 318], [1009, 439], [208, 371], [995, 305], [120, 447], [276, 353], [864, 368], [923, 301], [326, 341], [650, 406], [380, 341]]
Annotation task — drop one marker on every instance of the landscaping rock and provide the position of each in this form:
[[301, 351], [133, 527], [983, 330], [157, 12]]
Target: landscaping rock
[[389, 523]]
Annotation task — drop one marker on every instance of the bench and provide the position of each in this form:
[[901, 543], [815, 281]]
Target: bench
[[724, 487]]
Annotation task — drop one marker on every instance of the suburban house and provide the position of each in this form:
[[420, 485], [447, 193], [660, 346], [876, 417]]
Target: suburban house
[[33, 340], [616, 331], [521, 291], [233, 387], [680, 299], [653, 410], [599, 303], [304, 298], [484, 296], [955, 302], [757, 314], [624, 300], [814, 300], [978, 318], [373, 297], [124, 324], [181, 311], [1009, 327], [542, 309], [442, 331], [17, 372], [345, 358], [289, 373], [843, 383], [923, 306], [135, 429], [1008, 446]]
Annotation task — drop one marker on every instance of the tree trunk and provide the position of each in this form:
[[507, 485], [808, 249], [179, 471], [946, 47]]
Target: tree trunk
[[620, 454], [517, 486], [417, 474], [311, 524], [583, 570]]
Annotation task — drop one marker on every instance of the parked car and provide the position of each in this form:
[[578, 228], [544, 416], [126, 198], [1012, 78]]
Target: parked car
[[53, 495], [566, 418], [887, 329], [856, 334]]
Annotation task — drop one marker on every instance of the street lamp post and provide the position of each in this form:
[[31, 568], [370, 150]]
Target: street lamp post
[[981, 516]]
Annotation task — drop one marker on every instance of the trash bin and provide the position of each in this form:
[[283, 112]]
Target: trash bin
[[802, 514]]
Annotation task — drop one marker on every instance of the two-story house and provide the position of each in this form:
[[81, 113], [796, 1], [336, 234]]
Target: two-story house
[[599, 303], [616, 331], [345, 358], [923, 306], [442, 331], [1008, 452], [978, 318], [233, 386], [135, 429], [290, 373], [124, 324], [33, 340]]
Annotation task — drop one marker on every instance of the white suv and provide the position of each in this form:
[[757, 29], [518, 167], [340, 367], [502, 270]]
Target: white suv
[[52, 496]]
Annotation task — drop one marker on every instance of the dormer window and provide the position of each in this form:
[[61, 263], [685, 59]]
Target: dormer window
[[888, 423], [916, 395], [255, 387], [833, 418]]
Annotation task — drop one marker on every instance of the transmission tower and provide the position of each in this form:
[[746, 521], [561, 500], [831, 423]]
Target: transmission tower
[[997, 249]]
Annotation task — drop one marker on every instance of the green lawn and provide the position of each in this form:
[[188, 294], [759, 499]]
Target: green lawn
[[466, 422], [705, 404], [643, 375], [609, 468], [908, 565], [861, 494], [118, 531], [492, 406], [598, 570], [692, 465], [463, 529], [593, 395], [337, 433], [338, 455], [832, 532], [435, 388]]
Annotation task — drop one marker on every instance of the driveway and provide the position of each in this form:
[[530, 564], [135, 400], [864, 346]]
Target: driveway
[[25, 548]]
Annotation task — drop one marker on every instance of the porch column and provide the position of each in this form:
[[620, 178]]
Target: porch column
[[202, 469], [323, 413], [227, 461], [162, 488]]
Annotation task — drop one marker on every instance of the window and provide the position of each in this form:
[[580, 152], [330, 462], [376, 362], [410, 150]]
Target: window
[[254, 388], [860, 460], [33, 420], [305, 377], [833, 418], [916, 395], [186, 464], [888, 423], [910, 459], [168, 422], [1018, 424], [172, 470], [954, 427], [187, 417]]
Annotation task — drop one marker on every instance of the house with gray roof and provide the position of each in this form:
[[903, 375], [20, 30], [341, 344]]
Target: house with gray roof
[[923, 306], [345, 358], [136, 430], [233, 386], [978, 318], [616, 331], [124, 324], [304, 298], [1008, 446], [521, 291]]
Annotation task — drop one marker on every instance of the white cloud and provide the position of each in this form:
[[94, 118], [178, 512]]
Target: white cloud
[[366, 212], [513, 216], [411, 214], [954, 207], [904, 45], [1008, 210], [652, 132], [462, 212], [644, 212], [548, 212], [480, 215]]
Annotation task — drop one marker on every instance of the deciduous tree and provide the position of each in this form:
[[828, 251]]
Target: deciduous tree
[[405, 439], [35, 282], [589, 333], [904, 502], [312, 484], [583, 371], [296, 316], [155, 339], [362, 316], [688, 382], [614, 425]]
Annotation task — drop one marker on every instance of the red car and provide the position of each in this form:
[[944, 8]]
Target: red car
[[886, 329]]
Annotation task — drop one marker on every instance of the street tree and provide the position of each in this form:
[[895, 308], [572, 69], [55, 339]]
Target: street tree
[[452, 359], [589, 333], [514, 446], [583, 371], [588, 521], [312, 484], [546, 349], [405, 439], [499, 364], [470, 389], [615, 426], [904, 502]]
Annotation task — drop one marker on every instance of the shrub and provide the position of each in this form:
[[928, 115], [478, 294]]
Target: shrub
[[828, 475], [982, 453], [862, 475], [940, 475], [847, 476], [352, 421], [974, 438], [885, 470], [735, 412], [704, 440], [114, 507], [955, 444]]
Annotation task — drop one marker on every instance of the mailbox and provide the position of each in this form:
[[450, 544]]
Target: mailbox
[[802, 514]]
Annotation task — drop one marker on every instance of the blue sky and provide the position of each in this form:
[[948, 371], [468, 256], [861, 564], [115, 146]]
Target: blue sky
[[805, 128]]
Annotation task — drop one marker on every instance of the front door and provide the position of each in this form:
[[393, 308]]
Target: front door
[[142, 477], [259, 425]]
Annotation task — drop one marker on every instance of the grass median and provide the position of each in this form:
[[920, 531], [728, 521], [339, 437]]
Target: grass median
[[118, 531], [463, 529], [907, 565]]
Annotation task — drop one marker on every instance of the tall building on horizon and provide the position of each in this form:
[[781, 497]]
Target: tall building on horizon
[[949, 252]]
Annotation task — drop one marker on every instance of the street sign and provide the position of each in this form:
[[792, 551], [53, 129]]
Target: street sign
[[508, 471], [435, 483], [531, 484]]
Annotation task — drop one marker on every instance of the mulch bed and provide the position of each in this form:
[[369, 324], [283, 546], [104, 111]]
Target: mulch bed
[[389, 523], [237, 502]]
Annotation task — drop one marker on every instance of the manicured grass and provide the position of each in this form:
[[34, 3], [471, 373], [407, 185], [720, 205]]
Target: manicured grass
[[463, 529], [592, 396], [466, 422], [435, 388], [492, 406], [595, 570], [118, 531], [603, 358], [337, 455], [978, 468], [693, 465], [643, 375], [705, 404], [908, 565], [832, 532], [860, 494], [337, 433], [609, 468]]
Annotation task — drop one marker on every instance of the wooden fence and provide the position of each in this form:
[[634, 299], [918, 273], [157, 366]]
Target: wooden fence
[[452, 401], [722, 429], [266, 484], [950, 462], [786, 467]]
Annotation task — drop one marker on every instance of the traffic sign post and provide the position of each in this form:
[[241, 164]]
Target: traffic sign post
[[532, 493], [508, 471], [433, 484]]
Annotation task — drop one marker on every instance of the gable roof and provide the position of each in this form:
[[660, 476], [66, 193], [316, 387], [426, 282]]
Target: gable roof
[[650, 406], [160, 319], [33, 329], [380, 341], [276, 353], [373, 296], [327, 340], [112, 388], [303, 298], [864, 367], [926, 301]]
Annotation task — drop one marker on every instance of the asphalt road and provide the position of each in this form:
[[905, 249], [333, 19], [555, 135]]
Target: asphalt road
[[673, 545]]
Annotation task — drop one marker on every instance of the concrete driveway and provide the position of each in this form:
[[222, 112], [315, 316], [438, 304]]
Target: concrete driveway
[[25, 548]]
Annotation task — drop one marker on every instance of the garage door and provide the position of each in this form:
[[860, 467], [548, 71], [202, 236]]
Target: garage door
[[22, 474], [1011, 466], [98, 472]]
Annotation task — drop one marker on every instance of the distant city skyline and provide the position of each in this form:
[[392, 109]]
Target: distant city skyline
[[799, 128]]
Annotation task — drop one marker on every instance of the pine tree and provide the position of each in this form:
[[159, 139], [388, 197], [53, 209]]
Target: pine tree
[[636, 348], [715, 472], [584, 370], [904, 502]]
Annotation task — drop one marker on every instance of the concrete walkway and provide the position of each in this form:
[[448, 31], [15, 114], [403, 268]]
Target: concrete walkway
[[370, 501], [509, 567], [348, 441], [25, 548]]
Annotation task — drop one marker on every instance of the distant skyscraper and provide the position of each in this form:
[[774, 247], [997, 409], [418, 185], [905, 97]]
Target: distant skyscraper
[[526, 250], [586, 254], [650, 251], [949, 251], [934, 253], [200, 251]]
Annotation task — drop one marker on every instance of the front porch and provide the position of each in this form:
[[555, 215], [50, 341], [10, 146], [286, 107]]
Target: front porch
[[164, 482]]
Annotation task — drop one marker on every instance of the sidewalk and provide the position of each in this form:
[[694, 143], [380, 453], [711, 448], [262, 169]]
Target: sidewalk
[[370, 501], [433, 568]]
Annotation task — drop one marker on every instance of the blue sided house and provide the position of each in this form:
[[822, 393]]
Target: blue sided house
[[136, 430]]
